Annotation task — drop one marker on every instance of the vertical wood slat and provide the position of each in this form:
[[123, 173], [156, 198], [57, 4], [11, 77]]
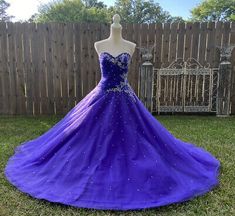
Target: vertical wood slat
[[211, 48], [151, 41], [157, 62], [135, 57], [202, 61], [42, 69], [216, 57], [69, 40], [11, 66], [165, 44], [20, 79], [63, 69], [35, 69], [48, 31], [232, 42], [187, 54], [226, 31], [85, 29], [144, 35], [144, 43], [195, 40], [93, 57], [131, 75], [187, 44], [173, 42], [77, 66], [158, 48], [89, 58], [165, 55], [56, 69], [151, 38], [218, 43], [28, 67], [180, 43], [4, 72], [172, 57], [202, 48], [97, 38], [2, 75]]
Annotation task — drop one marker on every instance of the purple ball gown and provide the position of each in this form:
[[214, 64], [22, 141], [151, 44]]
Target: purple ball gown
[[109, 152]]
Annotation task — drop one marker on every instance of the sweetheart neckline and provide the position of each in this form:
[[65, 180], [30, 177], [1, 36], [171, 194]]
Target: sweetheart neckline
[[114, 56]]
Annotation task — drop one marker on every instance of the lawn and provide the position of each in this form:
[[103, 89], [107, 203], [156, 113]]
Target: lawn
[[216, 135]]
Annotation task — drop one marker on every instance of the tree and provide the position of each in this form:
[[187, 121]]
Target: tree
[[140, 11], [3, 15], [214, 10], [131, 11], [94, 3], [71, 11]]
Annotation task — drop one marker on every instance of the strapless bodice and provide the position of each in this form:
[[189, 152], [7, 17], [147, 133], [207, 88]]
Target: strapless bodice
[[114, 72]]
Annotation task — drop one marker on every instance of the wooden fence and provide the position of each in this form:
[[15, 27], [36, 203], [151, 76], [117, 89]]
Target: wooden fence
[[48, 68]]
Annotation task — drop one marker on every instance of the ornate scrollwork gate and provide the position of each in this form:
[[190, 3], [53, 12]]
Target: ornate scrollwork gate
[[183, 86]]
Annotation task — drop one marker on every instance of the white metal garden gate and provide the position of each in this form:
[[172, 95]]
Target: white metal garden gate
[[183, 86]]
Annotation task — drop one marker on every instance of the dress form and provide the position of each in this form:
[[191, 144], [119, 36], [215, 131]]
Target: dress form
[[115, 44]]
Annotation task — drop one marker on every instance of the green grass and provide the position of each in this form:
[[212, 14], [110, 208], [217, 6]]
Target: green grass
[[216, 135]]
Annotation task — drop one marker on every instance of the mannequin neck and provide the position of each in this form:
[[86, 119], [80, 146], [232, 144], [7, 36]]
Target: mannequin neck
[[115, 34]]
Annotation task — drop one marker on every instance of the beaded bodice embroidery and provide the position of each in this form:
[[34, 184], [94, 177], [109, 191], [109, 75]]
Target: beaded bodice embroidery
[[114, 71]]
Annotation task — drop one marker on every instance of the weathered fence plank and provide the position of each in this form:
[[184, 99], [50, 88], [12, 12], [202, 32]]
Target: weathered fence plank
[[158, 42], [93, 55], [28, 67], [135, 61], [12, 66], [232, 41], [77, 57], [202, 48], [195, 40], [165, 44], [181, 35], [49, 68], [129, 34], [69, 40], [218, 43], [42, 70], [173, 42], [4, 72], [211, 48], [143, 43], [98, 37], [187, 44]]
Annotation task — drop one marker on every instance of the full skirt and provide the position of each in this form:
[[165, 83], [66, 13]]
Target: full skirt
[[109, 152]]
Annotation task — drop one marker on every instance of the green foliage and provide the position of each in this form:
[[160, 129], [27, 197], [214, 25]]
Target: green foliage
[[71, 11], [131, 11], [139, 11], [214, 10], [94, 3], [3, 14]]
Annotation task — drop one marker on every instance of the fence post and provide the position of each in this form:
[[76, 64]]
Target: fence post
[[223, 103], [146, 84]]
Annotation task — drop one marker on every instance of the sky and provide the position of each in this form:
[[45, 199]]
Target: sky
[[23, 9]]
